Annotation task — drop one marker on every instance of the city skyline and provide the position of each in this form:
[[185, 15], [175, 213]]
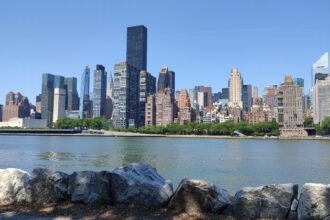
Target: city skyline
[[173, 44]]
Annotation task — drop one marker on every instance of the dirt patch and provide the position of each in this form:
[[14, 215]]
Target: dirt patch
[[82, 211]]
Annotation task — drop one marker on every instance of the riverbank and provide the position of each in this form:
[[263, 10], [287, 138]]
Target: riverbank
[[132, 134]]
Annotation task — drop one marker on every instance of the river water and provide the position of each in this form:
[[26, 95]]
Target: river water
[[229, 163]]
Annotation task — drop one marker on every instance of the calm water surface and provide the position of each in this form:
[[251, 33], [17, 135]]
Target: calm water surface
[[231, 164]]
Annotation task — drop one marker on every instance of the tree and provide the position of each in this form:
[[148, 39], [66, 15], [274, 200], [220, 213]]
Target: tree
[[308, 122], [325, 126]]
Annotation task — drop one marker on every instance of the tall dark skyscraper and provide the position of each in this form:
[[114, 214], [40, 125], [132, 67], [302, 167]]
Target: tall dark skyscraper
[[247, 97], [136, 53], [71, 94], [85, 103], [49, 83], [100, 91]]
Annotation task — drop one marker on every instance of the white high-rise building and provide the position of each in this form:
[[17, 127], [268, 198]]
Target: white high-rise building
[[235, 85], [320, 66], [110, 86], [321, 99], [59, 104]]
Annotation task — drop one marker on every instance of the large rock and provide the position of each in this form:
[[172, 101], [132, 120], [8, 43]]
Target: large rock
[[89, 187], [13, 186], [198, 196], [314, 201], [140, 184], [48, 186], [270, 201]]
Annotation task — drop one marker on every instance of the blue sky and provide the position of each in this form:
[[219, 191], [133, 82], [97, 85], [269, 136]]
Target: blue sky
[[200, 40]]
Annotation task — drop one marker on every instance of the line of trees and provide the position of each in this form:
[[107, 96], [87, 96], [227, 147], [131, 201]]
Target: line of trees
[[87, 123], [226, 128]]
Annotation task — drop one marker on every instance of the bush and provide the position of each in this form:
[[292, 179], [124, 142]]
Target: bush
[[89, 123]]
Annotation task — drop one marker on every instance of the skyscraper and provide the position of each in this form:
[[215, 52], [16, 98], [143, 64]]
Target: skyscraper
[[165, 108], [166, 80], [163, 79], [17, 106], [235, 84], [247, 97], [126, 95], [289, 104], [255, 93], [147, 88], [85, 103], [49, 83], [109, 99], [71, 94], [320, 66], [321, 98], [185, 113], [136, 53], [99, 92], [193, 98], [59, 103]]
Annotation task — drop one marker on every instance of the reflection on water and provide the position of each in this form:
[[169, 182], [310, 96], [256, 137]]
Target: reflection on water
[[55, 156], [231, 164]]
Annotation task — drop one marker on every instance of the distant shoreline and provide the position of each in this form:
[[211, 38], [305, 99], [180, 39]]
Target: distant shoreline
[[131, 134]]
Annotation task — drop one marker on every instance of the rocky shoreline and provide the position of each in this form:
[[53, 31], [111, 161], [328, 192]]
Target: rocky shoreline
[[138, 186]]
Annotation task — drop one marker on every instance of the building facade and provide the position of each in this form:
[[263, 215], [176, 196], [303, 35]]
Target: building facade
[[150, 111], [166, 80], [321, 66], [49, 83], [126, 95], [59, 104], [85, 105], [289, 105], [136, 54], [235, 85], [17, 106], [247, 97], [99, 92], [165, 108], [71, 94], [109, 98], [38, 103], [147, 88], [269, 96], [185, 112], [208, 91], [321, 100]]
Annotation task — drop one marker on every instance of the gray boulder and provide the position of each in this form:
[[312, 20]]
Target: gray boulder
[[270, 201], [140, 184], [13, 186], [89, 187], [314, 201], [198, 196], [48, 186]]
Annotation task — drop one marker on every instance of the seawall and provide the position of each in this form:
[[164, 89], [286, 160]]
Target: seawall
[[139, 184]]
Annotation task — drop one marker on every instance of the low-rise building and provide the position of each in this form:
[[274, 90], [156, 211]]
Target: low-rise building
[[24, 123]]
